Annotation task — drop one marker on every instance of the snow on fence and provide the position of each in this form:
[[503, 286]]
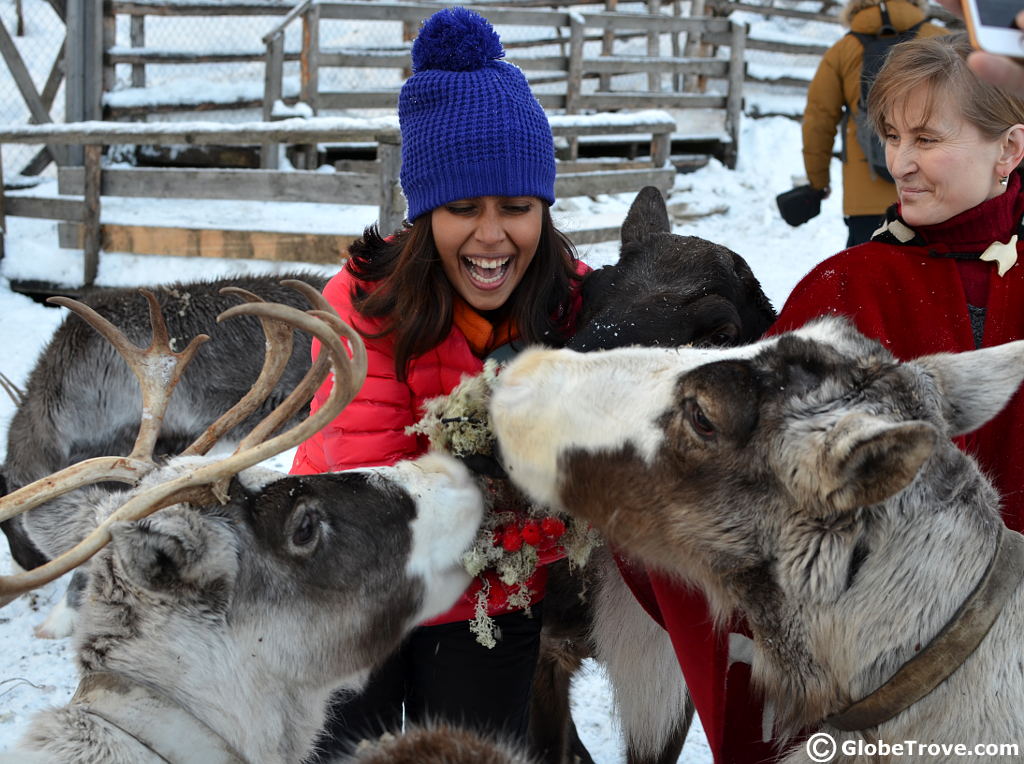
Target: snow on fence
[[581, 61], [375, 181]]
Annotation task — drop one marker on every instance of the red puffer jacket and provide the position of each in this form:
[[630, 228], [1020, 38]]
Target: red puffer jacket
[[370, 431]]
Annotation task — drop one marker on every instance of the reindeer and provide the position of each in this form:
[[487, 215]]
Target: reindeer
[[808, 483], [669, 290], [216, 628], [665, 290], [64, 416]]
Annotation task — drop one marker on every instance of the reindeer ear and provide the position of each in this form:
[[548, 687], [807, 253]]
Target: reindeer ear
[[867, 460], [171, 548], [976, 385], [646, 215]]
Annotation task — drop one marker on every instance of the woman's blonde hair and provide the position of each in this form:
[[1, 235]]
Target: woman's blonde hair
[[937, 66], [853, 7]]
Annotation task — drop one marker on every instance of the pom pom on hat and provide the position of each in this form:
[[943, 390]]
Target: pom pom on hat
[[470, 124], [455, 40]]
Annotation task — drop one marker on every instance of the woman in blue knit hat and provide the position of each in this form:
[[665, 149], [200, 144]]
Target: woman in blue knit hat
[[478, 271]]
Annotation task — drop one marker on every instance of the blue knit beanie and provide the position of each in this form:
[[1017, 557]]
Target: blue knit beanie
[[470, 124]]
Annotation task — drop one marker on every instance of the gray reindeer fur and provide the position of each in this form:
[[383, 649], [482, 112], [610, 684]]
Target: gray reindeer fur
[[246, 616], [807, 482], [81, 399]]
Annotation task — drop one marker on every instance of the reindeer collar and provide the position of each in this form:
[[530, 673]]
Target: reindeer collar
[[949, 648], [163, 729]]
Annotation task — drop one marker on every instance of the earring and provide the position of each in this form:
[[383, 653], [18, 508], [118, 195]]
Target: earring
[[1003, 180]]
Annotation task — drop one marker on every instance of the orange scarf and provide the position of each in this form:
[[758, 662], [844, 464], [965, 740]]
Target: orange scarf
[[482, 336]]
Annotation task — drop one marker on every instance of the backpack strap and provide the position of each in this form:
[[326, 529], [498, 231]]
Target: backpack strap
[[887, 27]]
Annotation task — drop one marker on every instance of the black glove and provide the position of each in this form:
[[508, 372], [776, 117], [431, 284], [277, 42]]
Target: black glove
[[800, 204]]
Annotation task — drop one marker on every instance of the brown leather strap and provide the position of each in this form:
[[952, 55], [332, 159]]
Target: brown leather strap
[[949, 648]]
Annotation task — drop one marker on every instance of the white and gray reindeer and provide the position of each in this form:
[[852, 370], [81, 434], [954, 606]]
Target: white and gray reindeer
[[807, 482], [225, 601]]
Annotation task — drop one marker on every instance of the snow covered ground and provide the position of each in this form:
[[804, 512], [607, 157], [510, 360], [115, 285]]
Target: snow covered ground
[[35, 673]]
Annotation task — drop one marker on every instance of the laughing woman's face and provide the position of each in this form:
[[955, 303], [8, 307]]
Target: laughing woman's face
[[486, 244]]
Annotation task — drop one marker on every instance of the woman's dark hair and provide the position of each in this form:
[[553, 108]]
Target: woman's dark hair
[[413, 299]]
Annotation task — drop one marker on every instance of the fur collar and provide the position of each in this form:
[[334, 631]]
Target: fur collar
[[129, 707]]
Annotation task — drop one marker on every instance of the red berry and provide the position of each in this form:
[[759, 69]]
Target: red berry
[[553, 527], [531, 533], [512, 539]]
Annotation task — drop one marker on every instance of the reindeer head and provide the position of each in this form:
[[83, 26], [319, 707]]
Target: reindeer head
[[669, 290], [314, 579], [746, 468]]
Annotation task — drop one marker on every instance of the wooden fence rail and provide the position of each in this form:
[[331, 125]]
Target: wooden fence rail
[[574, 66], [373, 181]]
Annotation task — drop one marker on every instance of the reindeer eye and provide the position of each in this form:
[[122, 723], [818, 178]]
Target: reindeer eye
[[699, 421], [306, 531], [725, 334]]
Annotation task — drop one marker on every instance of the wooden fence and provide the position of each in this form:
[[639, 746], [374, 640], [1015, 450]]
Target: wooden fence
[[576, 33], [374, 181]]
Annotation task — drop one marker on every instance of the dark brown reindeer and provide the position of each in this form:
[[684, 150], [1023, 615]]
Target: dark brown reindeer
[[224, 610], [809, 483]]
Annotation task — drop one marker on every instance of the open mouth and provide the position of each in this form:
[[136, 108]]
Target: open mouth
[[487, 272]]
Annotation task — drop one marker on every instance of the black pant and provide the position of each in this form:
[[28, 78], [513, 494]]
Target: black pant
[[861, 227], [443, 673]]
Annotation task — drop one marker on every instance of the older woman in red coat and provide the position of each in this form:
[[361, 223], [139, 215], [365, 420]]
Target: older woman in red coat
[[479, 271]]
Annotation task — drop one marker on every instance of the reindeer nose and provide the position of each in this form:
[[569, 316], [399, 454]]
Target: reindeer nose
[[518, 382]]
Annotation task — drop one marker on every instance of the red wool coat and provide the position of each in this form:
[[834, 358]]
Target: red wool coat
[[914, 300], [370, 431]]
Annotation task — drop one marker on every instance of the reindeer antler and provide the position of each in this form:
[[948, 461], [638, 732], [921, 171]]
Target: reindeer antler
[[157, 368], [201, 485]]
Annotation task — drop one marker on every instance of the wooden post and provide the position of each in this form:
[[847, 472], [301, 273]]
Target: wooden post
[[653, 47], [677, 49], [3, 216], [661, 148], [83, 69], [109, 40], [273, 79], [138, 40], [607, 46], [91, 243], [310, 73], [574, 83], [734, 100], [392, 203], [409, 31], [309, 57], [694, 83]]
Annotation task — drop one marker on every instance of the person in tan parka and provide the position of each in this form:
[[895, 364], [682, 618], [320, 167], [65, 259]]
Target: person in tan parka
[[835, 88]]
